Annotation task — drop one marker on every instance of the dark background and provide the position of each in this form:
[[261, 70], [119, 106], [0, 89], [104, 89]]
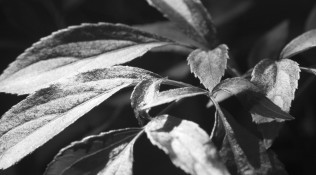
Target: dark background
[[23, 22]]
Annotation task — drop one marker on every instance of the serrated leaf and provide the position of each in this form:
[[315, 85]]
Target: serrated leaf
[[107, 153], [311, 20], [269, 45], [187, 145], [44, 114], [299, 44], [209, 66], [74, 50], [191, 17], [249, 154]]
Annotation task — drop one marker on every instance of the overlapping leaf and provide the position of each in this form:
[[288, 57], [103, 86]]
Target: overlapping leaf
[[187, 145], [243, 152], [47, 112], [299, 44], [192, 18], [107, 153], [73, 50], [209, 66]]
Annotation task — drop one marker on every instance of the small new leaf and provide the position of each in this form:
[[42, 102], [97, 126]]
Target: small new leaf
[[74, 50], [299, 44], [107, 153], [187, 145], [209, 66], [191, 17], [44, 114]]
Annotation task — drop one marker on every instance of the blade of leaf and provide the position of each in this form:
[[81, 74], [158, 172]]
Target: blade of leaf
[[299, 44], [311, 20], [209, 66], [250, 156], [99, 148], [269, 45], [74, 50], [187, 145], [191, 17], [44, 114], [309, 70]]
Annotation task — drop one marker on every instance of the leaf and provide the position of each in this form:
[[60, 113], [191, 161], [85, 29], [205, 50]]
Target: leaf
[[107, 153], [74, 50], [278, 80], [209, 66], [310, 22], [309, 70], [299, 44], [269, 45], [249, 154], [44, 114], [191, 17], [187, 145]]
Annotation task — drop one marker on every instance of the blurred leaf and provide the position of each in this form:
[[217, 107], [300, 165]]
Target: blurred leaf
[[187, 145], [309, 70], [311, 20], [74, 50], [249, 154], [299, 44], [269, 45], [191, 17], [209, 66], [42, 115], [109, 152]]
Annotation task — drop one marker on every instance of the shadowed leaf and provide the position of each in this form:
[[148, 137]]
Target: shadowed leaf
[[191, 17], [74, 50], [311, 20], [299, 44], [110, 152], [187, 145], [44, 114], [209, 66]]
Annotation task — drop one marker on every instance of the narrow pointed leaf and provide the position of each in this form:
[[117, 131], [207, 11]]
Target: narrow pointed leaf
[[269, 45], [209, 66], [44, 114], [249, 154], [191, 17], [311, 20], [309, 70], [103, 149], [187, 145], [74, 50], [299, 44]]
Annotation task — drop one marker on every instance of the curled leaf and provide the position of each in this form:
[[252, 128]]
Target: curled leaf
[[74, 50], [187, 145]]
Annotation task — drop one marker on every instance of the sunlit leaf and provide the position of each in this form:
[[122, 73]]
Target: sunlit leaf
[[74, 50], [107, 153], [299, 44], [187, 145], [42, 115], [311, 20], [243, 152], [269, 45], [209, 66], [191, 17]]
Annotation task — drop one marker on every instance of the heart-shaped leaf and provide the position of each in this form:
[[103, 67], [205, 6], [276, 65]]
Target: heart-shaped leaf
[[107, 153], [42, 115], [74, 50], [191, 17], [187, 145], [209, 66], [299, 44]]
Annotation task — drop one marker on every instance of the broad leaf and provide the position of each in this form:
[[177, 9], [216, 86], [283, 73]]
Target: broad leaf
[[42, 115], [191, 17], [311, 20], [209, 66], [187, 145], [269, 45], [248, 153], [299, 44], [74, 50], [107, 153]]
